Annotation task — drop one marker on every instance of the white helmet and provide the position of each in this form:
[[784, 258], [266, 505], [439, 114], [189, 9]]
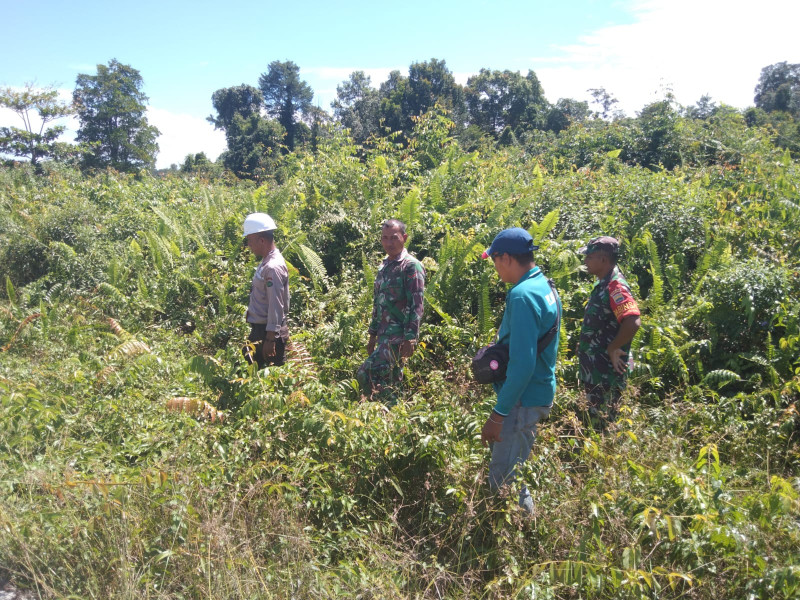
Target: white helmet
[[258, 222]]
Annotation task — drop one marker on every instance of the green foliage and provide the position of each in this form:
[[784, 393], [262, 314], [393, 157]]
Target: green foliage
[[120, 341], [28, 142], [111, 108]]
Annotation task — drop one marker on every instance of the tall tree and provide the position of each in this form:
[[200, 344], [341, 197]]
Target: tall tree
[[565, 112], [243, 100], [605, 103], [111, 109], [36, 107], [357, 106], [431, 83], [254, 145], [779, 88], [392, 93], [500, 100], [428, 83], [285, 95]]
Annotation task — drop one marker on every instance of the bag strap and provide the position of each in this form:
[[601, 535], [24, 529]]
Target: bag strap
[[548, 337]]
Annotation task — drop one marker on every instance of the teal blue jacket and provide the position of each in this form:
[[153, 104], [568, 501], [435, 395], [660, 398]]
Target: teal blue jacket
[[531, 310]]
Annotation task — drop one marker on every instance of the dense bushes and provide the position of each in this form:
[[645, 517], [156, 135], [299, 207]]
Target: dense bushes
[[123, 293]]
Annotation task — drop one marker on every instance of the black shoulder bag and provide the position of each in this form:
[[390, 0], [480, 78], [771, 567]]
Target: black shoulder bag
[[490, 363]]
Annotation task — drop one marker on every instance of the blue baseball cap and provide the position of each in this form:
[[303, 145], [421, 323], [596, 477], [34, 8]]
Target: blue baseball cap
[[511, 241]]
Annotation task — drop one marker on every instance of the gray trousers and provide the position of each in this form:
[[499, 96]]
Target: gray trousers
[[517, 435]]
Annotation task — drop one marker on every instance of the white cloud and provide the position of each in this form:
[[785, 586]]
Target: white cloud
[[693, 47], [183, 134]]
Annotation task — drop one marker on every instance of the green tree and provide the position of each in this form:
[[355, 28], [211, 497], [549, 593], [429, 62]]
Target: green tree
[[254, 145], [428, 84], [36, 107], [704, 108], [497, 100], [285, 95], [111, 108], [778, 88], [243, 100], [196, 163], [605, 103], [392, 110], [660, 141], [357, 106], [565, 112], [431, 83]]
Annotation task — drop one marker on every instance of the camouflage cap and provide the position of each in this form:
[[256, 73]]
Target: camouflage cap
[[604, 242]]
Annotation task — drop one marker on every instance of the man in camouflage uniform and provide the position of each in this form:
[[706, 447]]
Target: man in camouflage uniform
[[611, 320], [396, 316]]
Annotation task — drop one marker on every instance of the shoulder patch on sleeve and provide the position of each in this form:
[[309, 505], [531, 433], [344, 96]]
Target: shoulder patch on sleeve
[[621, 300]]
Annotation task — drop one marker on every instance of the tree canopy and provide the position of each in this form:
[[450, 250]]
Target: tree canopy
[[285, 95], [36, 107], [111, 107], [778, 88]]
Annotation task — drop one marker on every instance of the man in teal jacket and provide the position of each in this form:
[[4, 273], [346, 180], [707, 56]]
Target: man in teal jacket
[[525, 397]]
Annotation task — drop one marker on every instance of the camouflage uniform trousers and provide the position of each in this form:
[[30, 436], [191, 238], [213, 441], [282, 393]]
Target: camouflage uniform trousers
[[603, 402], [381, 375]]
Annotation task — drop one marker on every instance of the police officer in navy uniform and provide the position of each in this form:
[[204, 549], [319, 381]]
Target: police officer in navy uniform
[[269, 295]]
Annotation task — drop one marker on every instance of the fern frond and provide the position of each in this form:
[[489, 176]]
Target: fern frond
[[540, 231], [62, 250], [720, 377], [313, 264], [369, 272], [655, 298], [435, 306], [194, 407], [169, 226], [674, 360], [117, 329], [129, 349], [435, 194], [109, 290], [104, 373], [718, 255], [484, 309], [25, 321], [409, 210]]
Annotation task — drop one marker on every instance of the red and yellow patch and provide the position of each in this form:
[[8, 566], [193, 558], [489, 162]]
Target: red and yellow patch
[[622, 302]]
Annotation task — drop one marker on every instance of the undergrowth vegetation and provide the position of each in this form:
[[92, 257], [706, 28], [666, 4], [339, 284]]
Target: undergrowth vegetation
[[140, 458]]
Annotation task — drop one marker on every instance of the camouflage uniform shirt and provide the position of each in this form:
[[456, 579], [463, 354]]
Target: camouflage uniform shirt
[[397, 299], [609, 303]]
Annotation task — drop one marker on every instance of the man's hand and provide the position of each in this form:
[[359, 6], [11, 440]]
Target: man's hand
[[618, 361], [407, 348], [371, 343], [491, 429], [268, 347]]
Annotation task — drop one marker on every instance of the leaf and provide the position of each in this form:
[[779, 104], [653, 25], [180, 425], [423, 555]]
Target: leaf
[[409, 210], [540, 231], [10, 292], [313, 264], [720, 377]]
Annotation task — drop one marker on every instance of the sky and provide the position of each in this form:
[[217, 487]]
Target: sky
[[637, 50]]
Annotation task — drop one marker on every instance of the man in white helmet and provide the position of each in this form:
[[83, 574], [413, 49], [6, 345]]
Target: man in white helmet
[[269, 295]]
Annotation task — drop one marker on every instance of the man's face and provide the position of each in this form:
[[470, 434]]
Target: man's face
[[501, 265], [256, 244], [596, 263], [393, 240]]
